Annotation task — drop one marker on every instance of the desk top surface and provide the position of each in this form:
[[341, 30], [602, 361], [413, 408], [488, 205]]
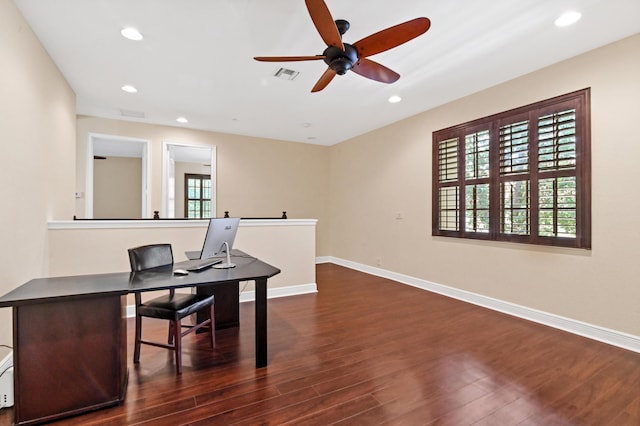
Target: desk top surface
[[41, 289]]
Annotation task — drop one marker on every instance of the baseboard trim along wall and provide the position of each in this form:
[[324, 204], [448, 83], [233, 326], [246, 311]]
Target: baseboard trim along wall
[[272, 293], [250, 295], [612, 337]]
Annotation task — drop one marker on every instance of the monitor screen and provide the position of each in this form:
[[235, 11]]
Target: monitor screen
[[220, 230]]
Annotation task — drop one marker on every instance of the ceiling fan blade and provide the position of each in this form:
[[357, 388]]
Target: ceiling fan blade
[[287, 58], [392, 37], [324, 23], [375, 71], [324, 80]]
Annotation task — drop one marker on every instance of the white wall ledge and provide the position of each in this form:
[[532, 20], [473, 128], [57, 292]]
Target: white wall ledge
[[164, 223]]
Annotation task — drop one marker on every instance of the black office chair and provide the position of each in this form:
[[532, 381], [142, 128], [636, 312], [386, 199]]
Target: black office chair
[[172, 307]]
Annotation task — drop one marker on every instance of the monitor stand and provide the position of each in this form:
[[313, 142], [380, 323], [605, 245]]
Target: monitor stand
[[227, 264]]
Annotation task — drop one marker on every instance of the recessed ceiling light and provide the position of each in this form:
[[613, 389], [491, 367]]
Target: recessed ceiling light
[[131, 34], [182, 120], [129, 89], [395, 99], [568, 18]]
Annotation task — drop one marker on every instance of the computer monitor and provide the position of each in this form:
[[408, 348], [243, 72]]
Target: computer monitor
[[219, 232]]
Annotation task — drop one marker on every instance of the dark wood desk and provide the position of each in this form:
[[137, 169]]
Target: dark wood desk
[[70, 337]]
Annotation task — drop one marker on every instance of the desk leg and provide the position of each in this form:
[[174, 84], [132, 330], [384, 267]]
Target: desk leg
[[261, 322]]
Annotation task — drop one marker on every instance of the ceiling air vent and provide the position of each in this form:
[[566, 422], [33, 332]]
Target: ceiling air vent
[[131, 114], [286, 74]]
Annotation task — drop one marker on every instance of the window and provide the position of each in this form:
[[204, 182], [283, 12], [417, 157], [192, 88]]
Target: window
[[520, 176], [197, 196]]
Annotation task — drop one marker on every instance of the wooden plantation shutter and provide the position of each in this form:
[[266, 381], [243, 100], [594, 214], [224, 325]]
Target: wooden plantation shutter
[[519, 176]]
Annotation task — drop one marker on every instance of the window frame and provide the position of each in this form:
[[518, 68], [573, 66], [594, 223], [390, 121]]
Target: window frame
[[201, 177], [578, 100]]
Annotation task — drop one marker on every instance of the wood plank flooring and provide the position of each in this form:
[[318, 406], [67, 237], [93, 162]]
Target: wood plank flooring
[[369, 351]]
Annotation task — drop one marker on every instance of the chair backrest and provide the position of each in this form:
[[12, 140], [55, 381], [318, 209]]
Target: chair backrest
[[150, 257]]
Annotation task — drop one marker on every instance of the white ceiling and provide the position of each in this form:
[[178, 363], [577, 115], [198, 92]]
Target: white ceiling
[[196, 58]]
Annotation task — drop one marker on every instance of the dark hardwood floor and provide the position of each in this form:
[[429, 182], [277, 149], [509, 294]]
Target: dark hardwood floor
[[369, 351]]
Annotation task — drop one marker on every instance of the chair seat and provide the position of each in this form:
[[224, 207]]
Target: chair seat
[[179, 305]]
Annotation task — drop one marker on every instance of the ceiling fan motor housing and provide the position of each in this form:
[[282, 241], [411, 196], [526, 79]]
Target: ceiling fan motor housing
[[341, 61]]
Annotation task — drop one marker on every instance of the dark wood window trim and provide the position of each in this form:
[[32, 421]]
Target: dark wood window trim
[[522, 175], [199, 199]]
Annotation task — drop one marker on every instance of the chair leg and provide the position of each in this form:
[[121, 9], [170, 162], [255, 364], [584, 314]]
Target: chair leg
[[212, 326], [178, 345], [136, 346], [172, 332]]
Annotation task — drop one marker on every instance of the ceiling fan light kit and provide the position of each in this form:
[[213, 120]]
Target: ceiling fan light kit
[[342, 57]]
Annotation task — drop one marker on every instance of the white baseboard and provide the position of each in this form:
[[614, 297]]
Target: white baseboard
[[601, 334], [272, 293], [250, 296]]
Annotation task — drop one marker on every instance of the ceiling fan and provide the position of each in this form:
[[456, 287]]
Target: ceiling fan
[[342, 57]]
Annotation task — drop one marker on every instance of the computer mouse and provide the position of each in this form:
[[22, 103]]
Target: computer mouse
[[180, 272]]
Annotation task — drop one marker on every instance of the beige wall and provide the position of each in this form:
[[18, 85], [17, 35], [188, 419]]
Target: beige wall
[[117, 188], [385, 172], [255, 177], [37, 123], [88, 247]]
